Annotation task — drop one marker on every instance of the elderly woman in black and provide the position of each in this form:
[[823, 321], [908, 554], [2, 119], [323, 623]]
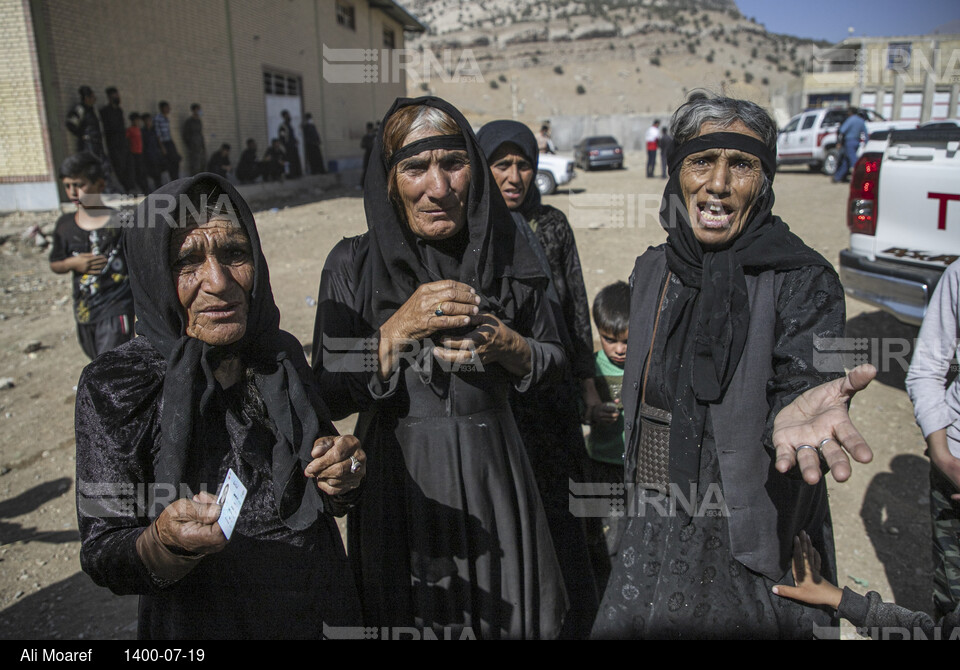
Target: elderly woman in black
[[722, 398], [423, 325], [212, 385], [549, 416]]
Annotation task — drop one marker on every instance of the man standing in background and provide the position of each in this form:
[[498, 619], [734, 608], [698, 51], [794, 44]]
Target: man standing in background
[[193, 138], [288, 139], [82, 121], [171, 158], [312, 146], [653, 141], [851, 132], [115, 134]]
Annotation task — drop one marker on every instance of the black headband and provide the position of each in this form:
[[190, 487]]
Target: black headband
[[427, 144], [738, 141]]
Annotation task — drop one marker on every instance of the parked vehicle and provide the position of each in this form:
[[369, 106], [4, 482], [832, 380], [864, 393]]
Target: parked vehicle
[[904, 219], [600, 151], [810, 138], [941, 124], [553, 170]]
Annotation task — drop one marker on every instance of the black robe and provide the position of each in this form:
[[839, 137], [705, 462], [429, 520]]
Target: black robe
[[270, 582], [153, 425], [450, 535]]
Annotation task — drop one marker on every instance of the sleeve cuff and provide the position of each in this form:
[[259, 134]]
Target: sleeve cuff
[[165, 566], [525, 382], [934, 420], [853, 607], [383, 388]]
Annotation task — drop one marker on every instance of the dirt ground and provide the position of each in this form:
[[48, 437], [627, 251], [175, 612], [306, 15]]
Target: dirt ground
[[881, 519]]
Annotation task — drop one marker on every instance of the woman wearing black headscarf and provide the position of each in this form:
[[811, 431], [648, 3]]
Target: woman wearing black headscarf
[[212, 385], [423, 324], [722, 398], [549, 416]]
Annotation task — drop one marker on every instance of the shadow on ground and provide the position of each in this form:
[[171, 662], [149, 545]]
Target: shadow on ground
[[898, 525], [73, 608], [27, 502], [886, 342]]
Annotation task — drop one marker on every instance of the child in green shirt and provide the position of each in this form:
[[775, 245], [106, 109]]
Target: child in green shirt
[[611, 314]]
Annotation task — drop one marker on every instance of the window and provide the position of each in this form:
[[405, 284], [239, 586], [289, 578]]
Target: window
[[808, 121], [346, 16], [898, 55], [280, 84], [389, 40]]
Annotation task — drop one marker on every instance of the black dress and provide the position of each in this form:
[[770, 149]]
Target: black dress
[[450, 533], [676, 575], [269, 582]]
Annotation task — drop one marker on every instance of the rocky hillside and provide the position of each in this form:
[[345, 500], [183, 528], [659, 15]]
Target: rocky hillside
[[538, 60]]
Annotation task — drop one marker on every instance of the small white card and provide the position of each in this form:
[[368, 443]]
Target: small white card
[[230, 498]]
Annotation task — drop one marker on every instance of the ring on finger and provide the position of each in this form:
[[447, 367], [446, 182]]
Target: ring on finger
[[823, 442], [439, 310], [806, 446], [354, 464]]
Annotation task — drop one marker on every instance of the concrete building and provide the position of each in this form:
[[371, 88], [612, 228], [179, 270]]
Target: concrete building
[[911, 77], [244, 61]]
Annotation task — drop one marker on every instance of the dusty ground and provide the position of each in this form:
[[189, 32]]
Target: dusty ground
[[881, 519]]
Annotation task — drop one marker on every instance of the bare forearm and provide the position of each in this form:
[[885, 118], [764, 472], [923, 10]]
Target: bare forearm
[[62, 267]]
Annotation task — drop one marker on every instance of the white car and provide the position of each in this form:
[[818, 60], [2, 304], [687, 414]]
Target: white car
[[553, 170]]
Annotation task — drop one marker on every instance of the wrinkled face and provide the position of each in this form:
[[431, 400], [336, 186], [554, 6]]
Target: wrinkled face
[[513, 173], [719, 187], [433, 187], [212, 268], [81, 191], [615, 346]]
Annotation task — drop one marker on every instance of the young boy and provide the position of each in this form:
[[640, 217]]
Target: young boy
[[611, 314], [87, 243]]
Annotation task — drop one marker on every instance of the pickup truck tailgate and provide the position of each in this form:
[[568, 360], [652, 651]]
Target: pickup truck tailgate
[[918, 203]]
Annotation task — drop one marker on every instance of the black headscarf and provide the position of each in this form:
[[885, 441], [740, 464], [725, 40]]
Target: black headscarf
[[189, 384], [709, 322], [491, 137], [497, 133], [489, 253]]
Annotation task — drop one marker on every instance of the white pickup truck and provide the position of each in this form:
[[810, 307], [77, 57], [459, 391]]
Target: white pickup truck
[[553, 170], [810, 138], [904, 219]]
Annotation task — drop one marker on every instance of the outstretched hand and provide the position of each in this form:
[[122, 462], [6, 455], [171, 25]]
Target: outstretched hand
[[811, 587], [817, 424]]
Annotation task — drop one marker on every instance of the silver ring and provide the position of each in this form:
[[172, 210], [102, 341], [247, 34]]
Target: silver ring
[[824, 441], [805, 446], [438, 311], [354, 464]]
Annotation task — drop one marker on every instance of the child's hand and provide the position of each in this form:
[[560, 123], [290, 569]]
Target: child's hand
[[811, 587], [605, 412], [89, 264]]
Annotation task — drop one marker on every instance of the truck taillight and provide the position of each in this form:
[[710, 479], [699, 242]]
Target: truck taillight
[[862, 204], [820, 137]]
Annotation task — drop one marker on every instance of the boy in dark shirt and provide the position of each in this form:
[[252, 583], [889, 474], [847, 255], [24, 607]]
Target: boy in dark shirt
[[87, 243]]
